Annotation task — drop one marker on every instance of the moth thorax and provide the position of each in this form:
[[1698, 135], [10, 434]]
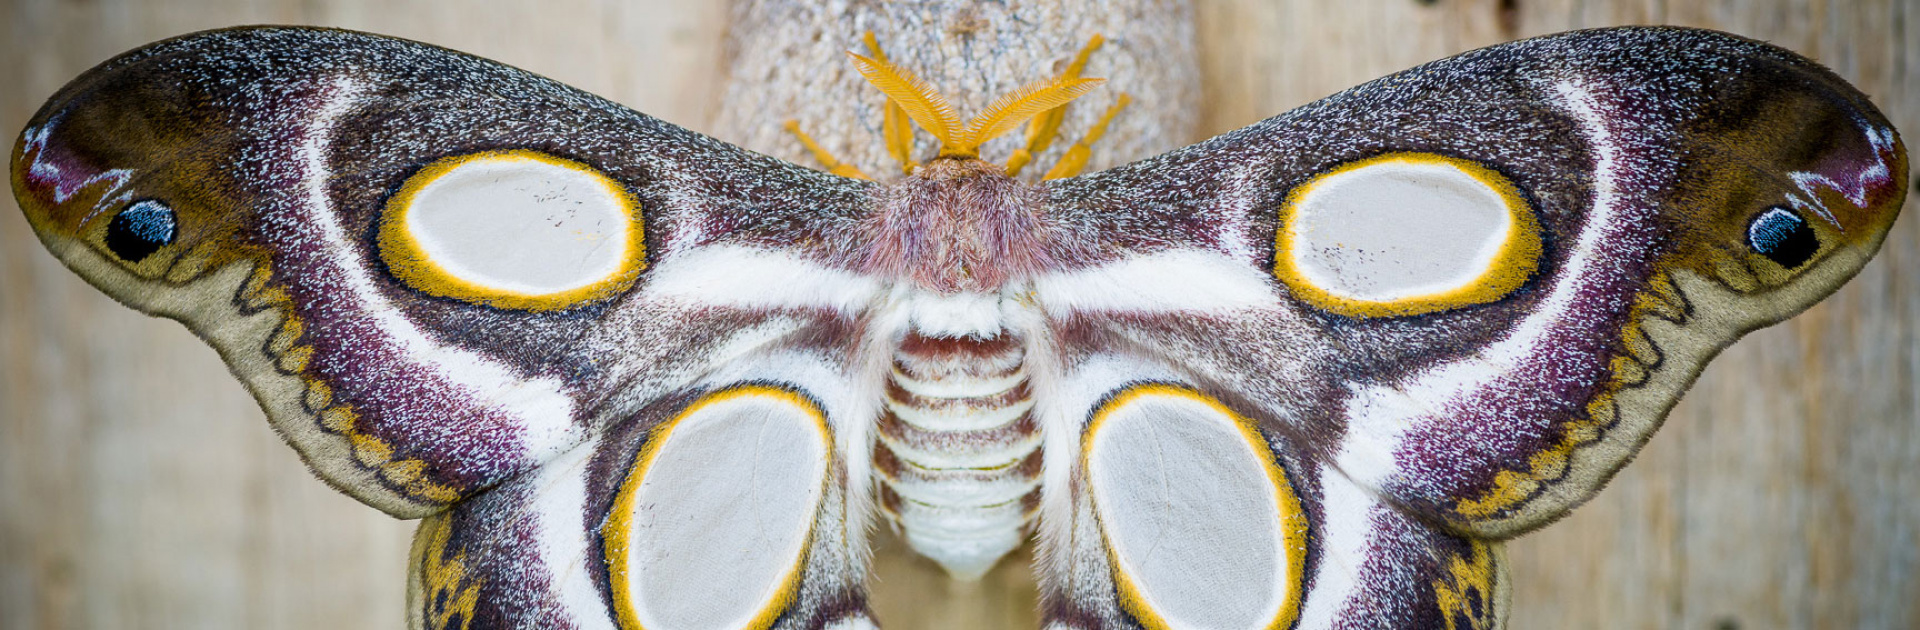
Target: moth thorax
[[957, 225], [959, 451]]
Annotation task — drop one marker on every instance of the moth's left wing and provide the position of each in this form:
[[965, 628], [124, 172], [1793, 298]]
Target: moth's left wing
[[609, 356], [1435, 310], [424, 265]]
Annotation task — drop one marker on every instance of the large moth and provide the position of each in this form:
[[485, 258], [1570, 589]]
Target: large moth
[[1164, 315]]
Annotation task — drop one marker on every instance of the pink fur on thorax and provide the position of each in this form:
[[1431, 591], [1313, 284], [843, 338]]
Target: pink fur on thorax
[[957, 225]]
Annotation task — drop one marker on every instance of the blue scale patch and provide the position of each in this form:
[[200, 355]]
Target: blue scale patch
[[141, 229], [1783, 237]]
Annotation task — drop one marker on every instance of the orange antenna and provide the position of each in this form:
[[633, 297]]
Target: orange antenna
[[1012, 110], [893, 121], [922, 103], [932, 111]]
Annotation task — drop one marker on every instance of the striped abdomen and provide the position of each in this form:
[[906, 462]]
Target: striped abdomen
[[959, 451]]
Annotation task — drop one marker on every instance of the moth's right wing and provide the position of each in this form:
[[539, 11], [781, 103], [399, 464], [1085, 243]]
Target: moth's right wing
[[1422, 315]]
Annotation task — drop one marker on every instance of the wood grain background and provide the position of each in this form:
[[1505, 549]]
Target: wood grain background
[[140, 487]]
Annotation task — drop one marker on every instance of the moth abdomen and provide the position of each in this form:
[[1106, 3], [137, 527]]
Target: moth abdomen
[[959, 449]]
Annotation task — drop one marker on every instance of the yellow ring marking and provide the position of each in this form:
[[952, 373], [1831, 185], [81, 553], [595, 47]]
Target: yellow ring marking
[[615, 533], [409, 261], [1293, 519], [1518, 258]]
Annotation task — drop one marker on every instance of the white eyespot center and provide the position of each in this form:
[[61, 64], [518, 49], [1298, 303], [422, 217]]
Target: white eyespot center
[[1406, 228], [518, 224], [1203, 527], [710, 531]]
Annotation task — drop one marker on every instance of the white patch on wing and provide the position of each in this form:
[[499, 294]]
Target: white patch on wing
[[718, 519], [518, 223], [1063, 403], [746, 277], [1379, 417], [1343, 537], [1201, 527], [1166, 282], [1384, 410], [1396, 229], [851, 402], [852, 623], [561, 536], [817, 377], [541, 409]]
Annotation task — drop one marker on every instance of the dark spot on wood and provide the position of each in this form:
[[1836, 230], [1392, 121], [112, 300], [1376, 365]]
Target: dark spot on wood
[[967, 22], [1726, 623], [1507, 18]]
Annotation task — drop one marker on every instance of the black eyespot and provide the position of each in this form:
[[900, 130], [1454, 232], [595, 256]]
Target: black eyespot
[[1783, 237], [142, 228]]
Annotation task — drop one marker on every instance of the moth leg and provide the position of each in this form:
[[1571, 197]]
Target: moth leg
[[1044, 128], [833, 164], [1076, 157]]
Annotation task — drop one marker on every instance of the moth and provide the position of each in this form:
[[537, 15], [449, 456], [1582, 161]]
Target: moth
[[1306, 374]]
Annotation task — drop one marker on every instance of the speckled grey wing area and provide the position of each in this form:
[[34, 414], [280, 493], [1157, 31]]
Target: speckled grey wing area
[[251, 182], [238, 181], [1686, 187], [555, 549]]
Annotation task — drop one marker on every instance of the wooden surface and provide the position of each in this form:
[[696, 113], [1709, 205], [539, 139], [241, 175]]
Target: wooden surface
[[140, 487]]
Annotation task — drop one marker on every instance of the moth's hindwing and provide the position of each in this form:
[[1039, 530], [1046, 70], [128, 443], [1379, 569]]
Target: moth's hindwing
[[719, 508]]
